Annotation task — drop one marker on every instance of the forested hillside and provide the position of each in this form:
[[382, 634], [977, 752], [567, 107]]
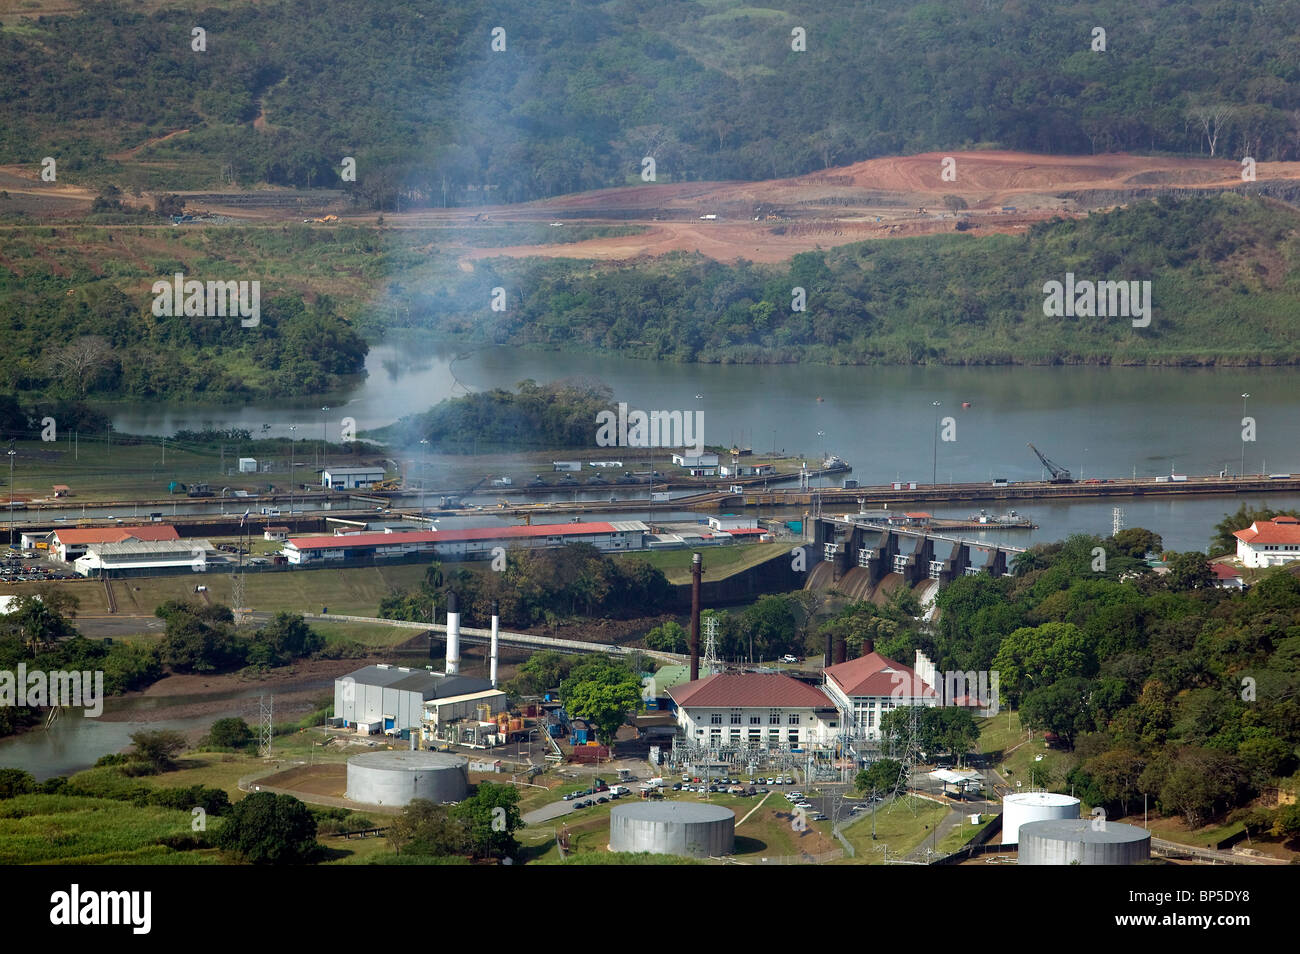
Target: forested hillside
[[1223, 272], [583, 91]]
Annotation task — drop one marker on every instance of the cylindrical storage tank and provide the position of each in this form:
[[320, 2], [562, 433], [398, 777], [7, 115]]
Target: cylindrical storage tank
[[1083, 841], [1024, 807], [686, 828], [397, 778]]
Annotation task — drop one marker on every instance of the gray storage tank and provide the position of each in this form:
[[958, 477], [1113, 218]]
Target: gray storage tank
[[682, 828], [1083, 841], [396, 778]]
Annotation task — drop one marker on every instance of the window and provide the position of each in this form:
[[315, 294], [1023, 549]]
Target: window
[[753, 735], [794, 736], [793, 718], [755, 720], [774, 716], [735, 717], [715, 718]]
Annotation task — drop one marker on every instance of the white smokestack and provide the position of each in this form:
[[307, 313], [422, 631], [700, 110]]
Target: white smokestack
[[453, 635], [496, 626]]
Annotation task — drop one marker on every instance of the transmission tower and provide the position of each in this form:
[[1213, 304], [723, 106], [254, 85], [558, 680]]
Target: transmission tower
[[906, 750], [237, 596], [712, 664], [1116, 521], [265, 713]]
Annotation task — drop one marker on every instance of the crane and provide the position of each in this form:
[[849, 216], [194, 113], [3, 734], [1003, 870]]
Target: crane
[[1059, 474]]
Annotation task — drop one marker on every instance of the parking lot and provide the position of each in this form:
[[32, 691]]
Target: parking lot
[[25, 566]]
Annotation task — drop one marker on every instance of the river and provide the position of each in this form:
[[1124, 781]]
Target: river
[[1097, 422]]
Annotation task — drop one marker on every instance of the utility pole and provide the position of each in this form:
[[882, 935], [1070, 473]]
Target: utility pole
[[934, 472], [1243, 439]]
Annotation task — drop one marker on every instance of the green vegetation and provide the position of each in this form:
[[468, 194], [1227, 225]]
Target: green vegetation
[[1157, 685], [603, 694], [266, 828], [1223, 292], [711, 90], [536, 587], [543, 416], [203, 638]]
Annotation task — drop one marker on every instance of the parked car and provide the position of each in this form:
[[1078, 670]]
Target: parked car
[[602, 800], [787, 658]]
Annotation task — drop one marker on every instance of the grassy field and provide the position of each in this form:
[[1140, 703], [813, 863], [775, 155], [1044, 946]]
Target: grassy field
[[899, 827], [72, 830], [719, 562]]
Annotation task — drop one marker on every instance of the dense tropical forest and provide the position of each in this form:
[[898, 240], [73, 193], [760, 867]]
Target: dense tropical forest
[[415, 92]]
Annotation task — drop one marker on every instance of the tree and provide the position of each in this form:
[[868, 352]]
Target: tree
[[882, 776], [1189, 571], [232, 733], [158, 748], [77, 363], [604, 699], [424, 828], [670, 637], [199, 638], [1137, 542], [491, 816], [1061, 708], [1116, 774], [1031, 657], [269, 829], [16, 782], [285, 638]]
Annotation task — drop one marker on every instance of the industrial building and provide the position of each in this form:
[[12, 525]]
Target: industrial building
[[687, 829], [69, 544], [398, 778], [384, 698], [466, 544], [1083, 841], [351, 478], [1023, 808], [754, 709], [1269, 542], [864, 689], [133, 557]]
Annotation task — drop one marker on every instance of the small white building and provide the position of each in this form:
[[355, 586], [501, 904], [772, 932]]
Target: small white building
[[771, 710], [1269, 542], [695, 460], [567, 466], [276, 534], [248, 465], [733, 521], [746, 470], [351, 478]]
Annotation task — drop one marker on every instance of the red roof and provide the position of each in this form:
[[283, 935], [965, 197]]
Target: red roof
[[748, 531], [874, 675], [158, 531], [918, 515], [1225, 572], [1277, 530], [448, 536], [752, 690]]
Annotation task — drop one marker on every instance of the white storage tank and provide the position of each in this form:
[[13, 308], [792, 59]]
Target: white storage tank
[[397, 778], [1083, 841], [1024, 807], [673, 828]]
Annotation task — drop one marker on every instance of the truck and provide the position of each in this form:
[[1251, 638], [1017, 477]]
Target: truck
[[659, 496], [199, 490]]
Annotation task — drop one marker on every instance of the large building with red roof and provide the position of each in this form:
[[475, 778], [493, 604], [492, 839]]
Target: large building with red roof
[[864, 689], [475, 543], [1269, 542], [766, 710], [69, 544]]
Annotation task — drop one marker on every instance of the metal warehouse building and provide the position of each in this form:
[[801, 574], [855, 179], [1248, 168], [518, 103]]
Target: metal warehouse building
[[466, 544], [386, 698]]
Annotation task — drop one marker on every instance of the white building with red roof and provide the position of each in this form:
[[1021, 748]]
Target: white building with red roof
[[1269, 542], [754, 709], [69, 544], [864, 689]]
